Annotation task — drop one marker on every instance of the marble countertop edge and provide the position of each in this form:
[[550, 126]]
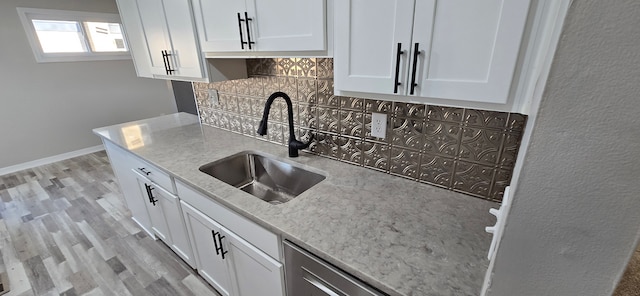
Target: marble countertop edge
[[400, 236]]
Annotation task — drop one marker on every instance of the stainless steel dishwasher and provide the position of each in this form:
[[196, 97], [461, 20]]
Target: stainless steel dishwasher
[[308, 275]]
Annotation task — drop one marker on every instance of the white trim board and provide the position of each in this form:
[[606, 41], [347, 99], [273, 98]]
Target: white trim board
[[550, 30], [48, 160]]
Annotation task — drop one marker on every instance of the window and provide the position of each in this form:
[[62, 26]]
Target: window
[[66, 36]]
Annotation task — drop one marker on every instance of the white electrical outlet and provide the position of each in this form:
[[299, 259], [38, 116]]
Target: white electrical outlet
[[379, 125], [213, 96]]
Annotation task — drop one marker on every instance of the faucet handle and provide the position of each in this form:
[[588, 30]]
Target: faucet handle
[[295, 145]]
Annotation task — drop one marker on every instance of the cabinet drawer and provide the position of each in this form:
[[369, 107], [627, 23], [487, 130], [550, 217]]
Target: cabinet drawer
[[253, 233], [153, 173]]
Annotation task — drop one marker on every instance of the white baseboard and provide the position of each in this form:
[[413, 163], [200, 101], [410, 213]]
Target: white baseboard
[[48, 160]]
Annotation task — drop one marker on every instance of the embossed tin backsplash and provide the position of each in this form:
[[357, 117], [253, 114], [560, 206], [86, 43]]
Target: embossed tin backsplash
[[465, 150]]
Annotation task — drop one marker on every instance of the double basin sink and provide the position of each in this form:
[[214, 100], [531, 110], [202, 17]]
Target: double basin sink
[[265, 177]]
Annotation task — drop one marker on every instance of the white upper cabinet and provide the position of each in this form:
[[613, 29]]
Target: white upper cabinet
[[261, 25], [372, 45], [169, 46], [468, 49], [460, 50], [218, 26]]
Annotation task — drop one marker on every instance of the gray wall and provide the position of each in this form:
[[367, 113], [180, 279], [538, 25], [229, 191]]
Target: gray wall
[[50, 108], [575, 218]]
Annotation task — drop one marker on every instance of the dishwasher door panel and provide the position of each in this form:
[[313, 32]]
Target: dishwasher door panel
[[308, 275]]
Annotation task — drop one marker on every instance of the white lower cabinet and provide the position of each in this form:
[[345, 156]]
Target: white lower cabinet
[[235, 255], [122, 164], [229, 263], [148, 194], [254, 271], [166, 218]]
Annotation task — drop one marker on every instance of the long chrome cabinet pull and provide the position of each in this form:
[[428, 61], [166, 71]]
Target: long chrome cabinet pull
[[416, 52], [242, 42], [247, 19], [397, 83]]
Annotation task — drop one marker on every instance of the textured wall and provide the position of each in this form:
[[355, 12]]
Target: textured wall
[[470, 151], [50, 108], [575, 217]]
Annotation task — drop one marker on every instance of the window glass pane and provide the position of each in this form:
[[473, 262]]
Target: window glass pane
[[59, 36], [105, 37]]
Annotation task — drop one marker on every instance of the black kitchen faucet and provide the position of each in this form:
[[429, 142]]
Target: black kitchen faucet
[[294, 145]]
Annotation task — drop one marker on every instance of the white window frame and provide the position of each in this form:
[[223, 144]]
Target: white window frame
[[28, 14]]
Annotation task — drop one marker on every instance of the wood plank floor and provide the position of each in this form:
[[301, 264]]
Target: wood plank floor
[[64, 230]]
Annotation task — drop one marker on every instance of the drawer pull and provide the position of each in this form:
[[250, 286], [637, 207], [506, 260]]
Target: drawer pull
[[144, 171]]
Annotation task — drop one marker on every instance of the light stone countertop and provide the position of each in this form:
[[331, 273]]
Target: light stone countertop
[[398, 235]]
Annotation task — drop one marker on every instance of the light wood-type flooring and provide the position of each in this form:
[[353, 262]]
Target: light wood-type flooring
[[64, 230]]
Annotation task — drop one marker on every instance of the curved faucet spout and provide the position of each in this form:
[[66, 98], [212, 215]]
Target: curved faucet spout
[[294, 145]]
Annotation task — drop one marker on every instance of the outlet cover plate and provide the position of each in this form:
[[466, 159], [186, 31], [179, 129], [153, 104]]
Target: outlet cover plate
[[379, 125]]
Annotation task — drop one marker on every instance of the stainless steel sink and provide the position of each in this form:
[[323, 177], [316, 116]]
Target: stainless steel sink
[[266, 178]]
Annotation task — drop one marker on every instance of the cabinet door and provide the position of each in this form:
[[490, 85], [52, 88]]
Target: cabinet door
[[210, 264], [156, 33], [156, 209], [169, 205], [218, 25], [133, 197], [254, 271], [186, 57], [367, 34], [287, 25], [134, 33], [468, 49]]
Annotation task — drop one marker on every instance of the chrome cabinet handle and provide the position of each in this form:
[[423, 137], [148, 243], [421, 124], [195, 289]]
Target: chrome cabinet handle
[[396, 83], [144, 171], [416, 52]]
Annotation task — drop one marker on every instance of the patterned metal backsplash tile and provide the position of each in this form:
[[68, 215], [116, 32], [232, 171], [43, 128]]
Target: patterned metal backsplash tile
[[464, 150]]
